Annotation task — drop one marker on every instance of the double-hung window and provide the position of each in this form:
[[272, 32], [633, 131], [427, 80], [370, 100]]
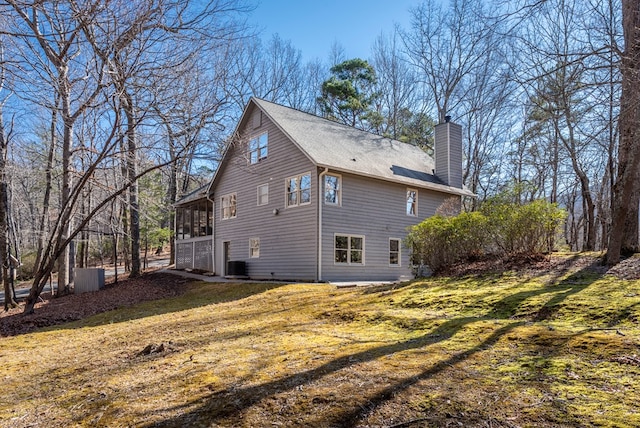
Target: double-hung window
[[332, 189], [298, 190], [394, 252], [349, 249], [258, 148], [229, 206], [263, 194], [412, 202]]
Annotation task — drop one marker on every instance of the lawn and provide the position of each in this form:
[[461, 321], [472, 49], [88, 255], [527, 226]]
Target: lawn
[[521, 347]]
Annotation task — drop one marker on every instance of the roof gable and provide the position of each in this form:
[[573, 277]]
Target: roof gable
[[334, 145], [339, 147]]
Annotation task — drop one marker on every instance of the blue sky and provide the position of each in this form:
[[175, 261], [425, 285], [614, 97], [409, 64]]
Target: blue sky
[[313, 26]]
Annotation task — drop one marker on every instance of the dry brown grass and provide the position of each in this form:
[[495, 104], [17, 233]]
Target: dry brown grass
[[556, 348]]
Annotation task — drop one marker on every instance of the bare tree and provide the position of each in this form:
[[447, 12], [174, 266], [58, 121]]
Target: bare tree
[[272, 70], [4, 202], [447, 45], [563, 67], [396, 85], [191, 112], [141, 42], [99, 62], [486, 112], [51, 34]]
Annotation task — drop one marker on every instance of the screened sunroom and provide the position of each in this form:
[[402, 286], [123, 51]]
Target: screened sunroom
[[194, 233]]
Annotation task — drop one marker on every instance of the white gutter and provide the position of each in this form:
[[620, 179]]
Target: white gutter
[[320, 204]]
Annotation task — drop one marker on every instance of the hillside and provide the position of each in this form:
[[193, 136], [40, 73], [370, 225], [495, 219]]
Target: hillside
[[554, 342]]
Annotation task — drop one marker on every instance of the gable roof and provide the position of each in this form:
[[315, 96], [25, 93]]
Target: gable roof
[[342, 148]]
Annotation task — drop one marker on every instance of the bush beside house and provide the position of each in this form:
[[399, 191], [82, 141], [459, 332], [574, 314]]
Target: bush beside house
[[500, 228]]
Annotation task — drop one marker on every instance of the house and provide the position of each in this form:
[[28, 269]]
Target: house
[[299, 197]]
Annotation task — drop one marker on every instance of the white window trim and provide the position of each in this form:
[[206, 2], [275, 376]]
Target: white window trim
[[251, 248], [258, 194], [324, 193], [250, 151], [399, 252], [235, 213], [298, 191], [349, 236], [415, 202]]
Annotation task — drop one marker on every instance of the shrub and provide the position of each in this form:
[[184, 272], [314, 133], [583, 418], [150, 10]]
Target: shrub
[[527, 229], [502, 228], [442, 241]]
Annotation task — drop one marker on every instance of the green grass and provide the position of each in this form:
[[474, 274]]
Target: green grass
[[557, 349]]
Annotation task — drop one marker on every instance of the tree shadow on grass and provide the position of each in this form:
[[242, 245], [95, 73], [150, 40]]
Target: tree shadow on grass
[[229, 403], [504, 309]]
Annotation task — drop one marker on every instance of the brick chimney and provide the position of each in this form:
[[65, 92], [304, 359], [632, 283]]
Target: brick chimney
[[448, 153]]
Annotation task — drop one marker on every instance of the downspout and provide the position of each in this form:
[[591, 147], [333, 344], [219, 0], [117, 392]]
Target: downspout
[[213, 233], [320, 204]]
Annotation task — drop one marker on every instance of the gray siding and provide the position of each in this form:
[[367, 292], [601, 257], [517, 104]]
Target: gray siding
[[377, 210], [448, 153], [288, 245], [372, 208]]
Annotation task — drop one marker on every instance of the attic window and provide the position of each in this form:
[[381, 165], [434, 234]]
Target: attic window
[[258, 148]]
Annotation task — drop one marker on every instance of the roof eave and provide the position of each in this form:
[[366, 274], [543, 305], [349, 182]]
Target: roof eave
[[408, 182]]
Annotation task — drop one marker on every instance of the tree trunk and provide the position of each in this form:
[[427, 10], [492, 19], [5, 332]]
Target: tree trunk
[[126, 240], [65, 191], [172, 191], [629, 148], [630, 238], [590, 226], [47, 185], [4, 226], [132, 171]]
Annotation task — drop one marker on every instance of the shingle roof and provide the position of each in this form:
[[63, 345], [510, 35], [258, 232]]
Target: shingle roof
[[196, 195], [340, 147]]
